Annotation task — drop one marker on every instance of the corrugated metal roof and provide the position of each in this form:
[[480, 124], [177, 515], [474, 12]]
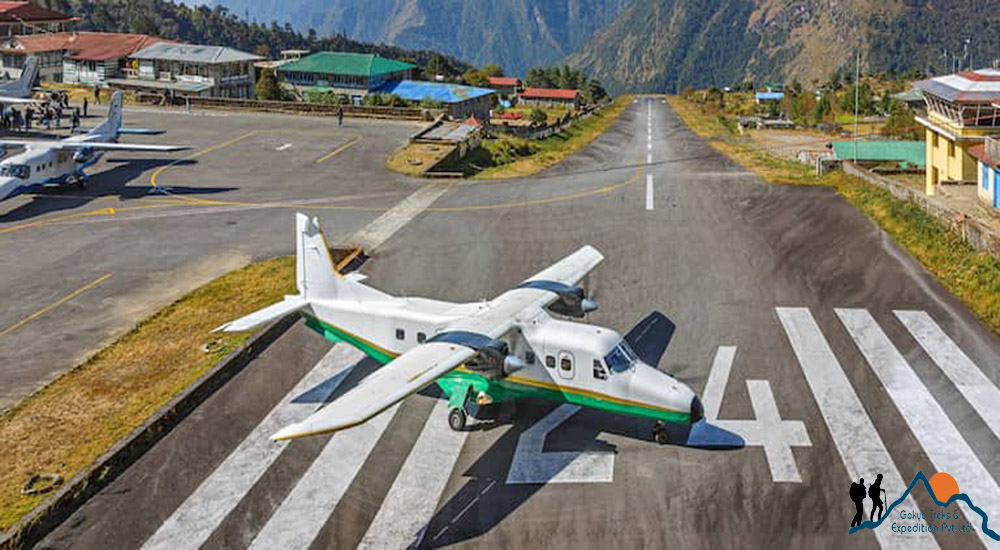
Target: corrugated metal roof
[[982, 86], [354, 64], [771, 95], [911, 152], [504, 81], [193, 53], [178, 86], [87, 46], [418, 90], [24, 11], [549, 93]]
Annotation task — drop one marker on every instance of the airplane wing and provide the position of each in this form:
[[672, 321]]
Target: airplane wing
[[94, 145], [571, 269], [382, 389], [17, 100]]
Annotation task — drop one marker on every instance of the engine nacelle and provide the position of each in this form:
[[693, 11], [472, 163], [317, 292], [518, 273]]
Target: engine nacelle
[[572, 302], [496, 361], [83, 155]]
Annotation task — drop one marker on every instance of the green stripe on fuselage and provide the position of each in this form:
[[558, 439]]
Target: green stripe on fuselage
[[499, 390]]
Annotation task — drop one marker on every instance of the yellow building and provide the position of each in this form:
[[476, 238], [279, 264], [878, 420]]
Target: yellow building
[[960, 114]]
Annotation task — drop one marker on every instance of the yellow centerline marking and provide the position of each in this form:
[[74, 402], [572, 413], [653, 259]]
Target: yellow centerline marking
[[56, 304], [338, 150]]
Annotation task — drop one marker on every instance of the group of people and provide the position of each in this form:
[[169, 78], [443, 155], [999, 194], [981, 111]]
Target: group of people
[[48, 113], [875, 491]]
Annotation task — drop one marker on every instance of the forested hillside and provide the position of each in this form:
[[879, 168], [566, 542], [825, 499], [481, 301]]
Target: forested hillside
[[218, 26]]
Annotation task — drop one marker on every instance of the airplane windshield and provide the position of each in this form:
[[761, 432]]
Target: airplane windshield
[[14, 171], [621, 357]]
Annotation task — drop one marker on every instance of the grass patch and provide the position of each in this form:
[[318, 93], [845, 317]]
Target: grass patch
[[544, 153], [416, 158], [971, 275], [66, 426]]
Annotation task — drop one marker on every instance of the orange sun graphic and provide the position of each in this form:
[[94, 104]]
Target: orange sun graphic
[[943, 485]]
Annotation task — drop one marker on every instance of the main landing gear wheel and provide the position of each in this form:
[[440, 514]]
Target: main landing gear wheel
[[456, 419], [660, 433]]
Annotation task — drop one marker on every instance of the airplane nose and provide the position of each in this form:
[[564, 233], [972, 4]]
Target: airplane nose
[[697, 410]]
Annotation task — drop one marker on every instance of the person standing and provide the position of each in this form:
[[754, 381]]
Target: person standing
[[85, 107], [858, 496], [875, 493], [340, 117], [58, 115], [75, 120], [18, 123], [28, 114], [97, 94]]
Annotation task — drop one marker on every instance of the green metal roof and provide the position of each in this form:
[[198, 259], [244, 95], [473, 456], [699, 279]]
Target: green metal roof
[[910, 152], [354, 64]]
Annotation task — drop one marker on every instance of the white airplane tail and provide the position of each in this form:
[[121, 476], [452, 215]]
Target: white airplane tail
[[29, 76], [316, 278], [112, 125]]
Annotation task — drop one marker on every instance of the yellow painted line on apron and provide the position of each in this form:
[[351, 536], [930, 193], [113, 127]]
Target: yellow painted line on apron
[[55, 304], [338, 150]]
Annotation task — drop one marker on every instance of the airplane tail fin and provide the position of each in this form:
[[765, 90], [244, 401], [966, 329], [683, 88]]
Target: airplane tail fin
[[316, 276], [112, 125], [29, 76]]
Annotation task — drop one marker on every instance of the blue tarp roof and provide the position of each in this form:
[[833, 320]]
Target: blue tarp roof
[[417, 90], [770, 95]]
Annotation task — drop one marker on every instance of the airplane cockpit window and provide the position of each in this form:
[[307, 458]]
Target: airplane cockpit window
[[621, 357], [15, 171]]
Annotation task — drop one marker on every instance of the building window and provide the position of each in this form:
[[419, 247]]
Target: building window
[[550, 361], [400, 334], [934, 140], [951, 149], [599, 372], [421, 338]]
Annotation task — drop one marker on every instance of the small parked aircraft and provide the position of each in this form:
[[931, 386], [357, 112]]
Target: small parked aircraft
[[486, 352], [63, 160], [21, 90]]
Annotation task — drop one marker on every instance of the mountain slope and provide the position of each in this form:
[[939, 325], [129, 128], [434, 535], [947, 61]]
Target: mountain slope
[[666, 45], [516, 34]]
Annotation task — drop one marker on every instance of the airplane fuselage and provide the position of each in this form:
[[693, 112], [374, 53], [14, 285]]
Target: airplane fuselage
[[562, 361], [43, 165]]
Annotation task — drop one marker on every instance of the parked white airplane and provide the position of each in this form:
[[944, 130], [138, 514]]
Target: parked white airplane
[[489, 351], [63, 160], [22, 89]]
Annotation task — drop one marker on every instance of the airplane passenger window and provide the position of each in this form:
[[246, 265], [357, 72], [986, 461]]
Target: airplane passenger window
[[599, 371], [421, 337], [566, 364], [550, 361], [529, 357], [400, 334]]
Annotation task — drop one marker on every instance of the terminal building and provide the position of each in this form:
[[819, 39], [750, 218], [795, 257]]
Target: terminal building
[[961, 114], [461, 102], [550, 97], [23, 18], [350, 74], [191, 70], [77, 57]]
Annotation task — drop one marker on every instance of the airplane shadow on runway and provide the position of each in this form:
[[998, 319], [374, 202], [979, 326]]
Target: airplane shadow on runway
[[114, 182], [486, 500]]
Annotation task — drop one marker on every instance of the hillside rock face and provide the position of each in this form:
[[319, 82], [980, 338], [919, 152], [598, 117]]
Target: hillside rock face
[[516, 34]]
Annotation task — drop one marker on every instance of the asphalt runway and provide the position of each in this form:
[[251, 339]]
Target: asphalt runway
[[807, 332]]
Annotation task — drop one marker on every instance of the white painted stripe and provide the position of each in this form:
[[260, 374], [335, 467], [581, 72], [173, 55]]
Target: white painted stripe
[[413, 497], [649, 158], [715, 388], [944, 446], [302, 515], [977, 389], [195, 520], [381, 228], [283, 147], [649, 146], [859, 445], [649, 192]]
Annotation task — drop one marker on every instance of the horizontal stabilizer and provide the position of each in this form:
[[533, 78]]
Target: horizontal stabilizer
[[142, 131], [17, 100], [266, 315], [650, 338]]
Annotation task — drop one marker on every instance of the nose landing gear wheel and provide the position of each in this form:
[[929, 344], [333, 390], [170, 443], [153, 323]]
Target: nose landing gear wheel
[[456, 419], [660, 433]]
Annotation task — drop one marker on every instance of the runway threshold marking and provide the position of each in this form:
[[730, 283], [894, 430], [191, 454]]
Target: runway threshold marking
[[767, 429], [305, 510], [978, 390], [861, 449], [937, 435], [204, 510], [338, 150], [409, 505], [55, 304]]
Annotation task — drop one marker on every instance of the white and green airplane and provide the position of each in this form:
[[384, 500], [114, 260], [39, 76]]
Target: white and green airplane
[[483, 352]]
